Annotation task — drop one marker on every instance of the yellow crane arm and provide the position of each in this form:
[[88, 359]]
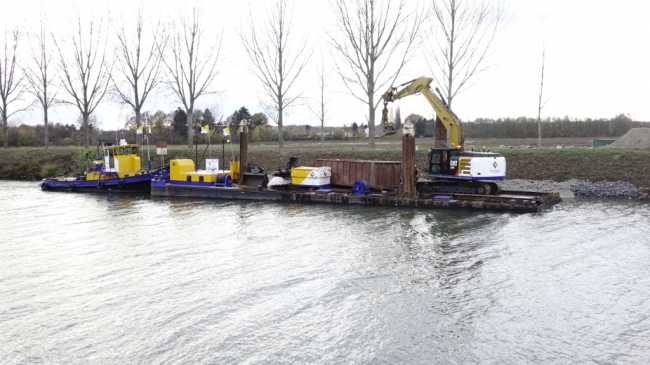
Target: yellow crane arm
[[449, 129]]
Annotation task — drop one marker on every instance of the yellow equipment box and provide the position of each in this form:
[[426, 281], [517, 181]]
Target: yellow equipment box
[[183, 170], [234, 170], [311, 176]]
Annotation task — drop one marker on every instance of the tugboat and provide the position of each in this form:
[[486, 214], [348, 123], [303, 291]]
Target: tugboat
[[118, 171]]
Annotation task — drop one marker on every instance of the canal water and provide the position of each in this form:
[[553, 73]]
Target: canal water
[[129, 279]]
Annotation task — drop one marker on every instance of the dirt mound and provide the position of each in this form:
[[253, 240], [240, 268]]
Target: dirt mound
[[634, 138]]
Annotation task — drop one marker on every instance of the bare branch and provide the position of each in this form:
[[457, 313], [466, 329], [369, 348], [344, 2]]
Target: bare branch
[[463, 32], [11, 79], [38, 73], [190, 69], [86, 75], [321, 110], [374, 33], [138, 65], [275, 63], [541, 103]]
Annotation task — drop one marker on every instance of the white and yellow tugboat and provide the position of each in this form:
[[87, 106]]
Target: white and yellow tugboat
[[119, 170]]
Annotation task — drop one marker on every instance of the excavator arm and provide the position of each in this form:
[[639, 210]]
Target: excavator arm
[[449, 129]]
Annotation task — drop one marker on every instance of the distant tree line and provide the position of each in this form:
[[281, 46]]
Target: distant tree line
[[551, 127], [172, 127], [523, 127]]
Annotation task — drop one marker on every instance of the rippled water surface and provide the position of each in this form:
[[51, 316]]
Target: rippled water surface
[[127, 279]]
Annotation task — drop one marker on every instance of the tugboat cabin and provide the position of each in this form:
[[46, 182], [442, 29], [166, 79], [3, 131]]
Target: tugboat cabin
[[118, 162], [121, 159]]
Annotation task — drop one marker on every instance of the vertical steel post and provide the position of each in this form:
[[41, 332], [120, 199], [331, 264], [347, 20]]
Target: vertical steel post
[[243, 149], [408, 164]]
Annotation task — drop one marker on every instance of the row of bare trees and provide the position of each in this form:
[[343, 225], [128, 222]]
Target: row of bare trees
[[80, 70], [372, 43]]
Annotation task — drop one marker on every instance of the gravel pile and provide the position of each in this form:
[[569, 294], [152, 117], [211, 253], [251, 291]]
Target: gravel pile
[[634, 138], [579, 188], [606, 189], [564, 187]]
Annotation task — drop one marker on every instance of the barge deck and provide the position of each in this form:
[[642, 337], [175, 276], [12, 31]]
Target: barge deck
[[506, 201]]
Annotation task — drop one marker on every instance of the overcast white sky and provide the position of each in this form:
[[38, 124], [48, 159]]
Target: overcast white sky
[[597, 60]]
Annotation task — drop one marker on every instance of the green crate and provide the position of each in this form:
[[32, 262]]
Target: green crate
[[603, 142]]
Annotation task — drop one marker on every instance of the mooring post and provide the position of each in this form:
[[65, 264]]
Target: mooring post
[[243, 150], [408, 162]]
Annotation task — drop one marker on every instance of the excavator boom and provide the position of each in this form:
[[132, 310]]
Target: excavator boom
[[449, 129]]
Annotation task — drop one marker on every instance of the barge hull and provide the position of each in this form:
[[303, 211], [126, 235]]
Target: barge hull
[[139, 184], [507, 201]]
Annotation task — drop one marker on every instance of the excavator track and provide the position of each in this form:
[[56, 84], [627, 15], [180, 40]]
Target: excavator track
[[456, 187]]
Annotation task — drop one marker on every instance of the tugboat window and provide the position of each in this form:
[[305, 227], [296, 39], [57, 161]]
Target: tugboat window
[[126, 151], [134, 151], [121, 151]]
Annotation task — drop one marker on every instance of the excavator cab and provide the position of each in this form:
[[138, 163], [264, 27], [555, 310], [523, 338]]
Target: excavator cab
[[443, 161]]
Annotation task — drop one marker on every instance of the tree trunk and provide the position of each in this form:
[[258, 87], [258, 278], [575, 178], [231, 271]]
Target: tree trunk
[[540, 106], [450, 79], [190, 128], [4, 125], [47, 140], [280, 133], [322, 120], [539, 129], [371, 120], [86, 117], [137, 118]]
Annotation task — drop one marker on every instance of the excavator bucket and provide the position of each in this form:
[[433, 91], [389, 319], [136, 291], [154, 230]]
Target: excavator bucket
[[385, 128], [254, 179]]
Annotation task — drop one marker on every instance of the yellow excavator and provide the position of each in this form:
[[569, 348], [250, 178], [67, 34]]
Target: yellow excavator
[[451, 169]]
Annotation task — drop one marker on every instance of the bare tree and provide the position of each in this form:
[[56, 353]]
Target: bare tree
[[86, 75], [190, 68], [320, 110], [138, 66], [541, 105], [39, 78], [11, 81], [462, 39], [276, 64], [373, 33]]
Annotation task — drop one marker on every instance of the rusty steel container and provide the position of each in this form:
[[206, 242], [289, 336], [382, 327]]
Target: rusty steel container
[[379, 174]]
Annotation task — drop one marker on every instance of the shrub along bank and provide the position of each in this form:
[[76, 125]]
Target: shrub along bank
[[630, 165]]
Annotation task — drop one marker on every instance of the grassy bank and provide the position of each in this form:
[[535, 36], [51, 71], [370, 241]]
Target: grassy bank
[[631, 165]]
